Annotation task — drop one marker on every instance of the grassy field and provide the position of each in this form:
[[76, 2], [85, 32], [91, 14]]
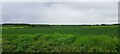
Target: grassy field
[[60, 39], [0, 39]]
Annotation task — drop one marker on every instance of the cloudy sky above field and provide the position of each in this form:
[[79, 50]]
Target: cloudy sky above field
[[60, 12]]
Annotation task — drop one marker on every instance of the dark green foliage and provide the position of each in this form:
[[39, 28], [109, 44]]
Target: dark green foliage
[[61, 39]]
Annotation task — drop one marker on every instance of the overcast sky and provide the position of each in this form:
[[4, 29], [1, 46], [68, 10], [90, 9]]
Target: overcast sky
[[60, 0], [60, 12]]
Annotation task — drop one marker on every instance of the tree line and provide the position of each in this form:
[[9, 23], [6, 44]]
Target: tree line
[[46, 25]]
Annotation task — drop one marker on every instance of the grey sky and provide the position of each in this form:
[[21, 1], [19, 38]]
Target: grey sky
[[0, 13], [60, 0], [60, 12]]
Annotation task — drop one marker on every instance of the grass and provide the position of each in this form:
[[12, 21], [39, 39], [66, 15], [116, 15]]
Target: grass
[[75, 30], [61, 39], [0, 39]]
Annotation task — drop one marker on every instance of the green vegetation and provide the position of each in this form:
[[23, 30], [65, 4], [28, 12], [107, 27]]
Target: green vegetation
[[0, 39], [60, 39]]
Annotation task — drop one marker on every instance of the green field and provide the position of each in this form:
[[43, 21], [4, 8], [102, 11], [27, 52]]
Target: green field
[[0, 39], [60, 39]]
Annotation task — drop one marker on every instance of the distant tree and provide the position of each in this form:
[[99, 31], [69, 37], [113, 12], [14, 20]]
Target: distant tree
[[103, 24]]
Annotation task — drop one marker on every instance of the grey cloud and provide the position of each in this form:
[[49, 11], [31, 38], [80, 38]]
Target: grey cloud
[[60, 0], [0, 12], [60, 12]]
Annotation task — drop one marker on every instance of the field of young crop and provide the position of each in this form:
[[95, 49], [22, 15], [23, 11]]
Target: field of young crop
[[60, 39], [0, 39]]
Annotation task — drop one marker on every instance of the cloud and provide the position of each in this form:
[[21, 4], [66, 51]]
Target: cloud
[[60, 0], [0, 12], [60, 12]]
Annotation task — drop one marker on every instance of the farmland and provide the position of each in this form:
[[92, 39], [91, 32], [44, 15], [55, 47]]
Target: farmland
[[0, 38], [60, 39]]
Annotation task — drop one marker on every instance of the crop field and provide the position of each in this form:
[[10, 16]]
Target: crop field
[[0, 39], [60, 39]]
